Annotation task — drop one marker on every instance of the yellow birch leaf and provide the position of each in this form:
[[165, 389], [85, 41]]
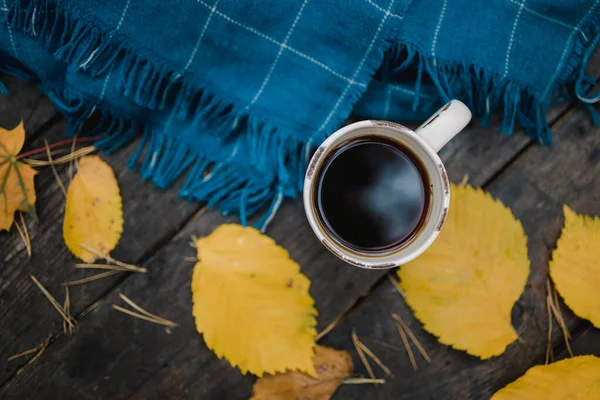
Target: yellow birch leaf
[[333, 366], [575, 268], [464, 286], [251, 302], [16, 178], [573, 378], [94, 214]]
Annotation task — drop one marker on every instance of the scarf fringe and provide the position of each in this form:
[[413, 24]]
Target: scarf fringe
[[145, 83], [485, 93], [164, 160]]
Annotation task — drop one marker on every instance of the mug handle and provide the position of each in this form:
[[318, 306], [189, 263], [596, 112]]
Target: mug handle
[[444, 124]]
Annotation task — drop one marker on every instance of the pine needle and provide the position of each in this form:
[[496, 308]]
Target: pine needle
[[24, 233], [412, 337], [56, 176], [25, 353], [132, 268], [55, 145], [406, 344], [329, 327], [143, 313], [362, 381], [199, 213], [93, 278], [549, 343], [38, 355], [465, 180], [66, 316], [77, 154], [359, 350], [396, 285], [375, 358], [40, 156], [111, 260], [90, 308], [67, 308], [71, 160], [142, 316], [386, 345], [559, 318]]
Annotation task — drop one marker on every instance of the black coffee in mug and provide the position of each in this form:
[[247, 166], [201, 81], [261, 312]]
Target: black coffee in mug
[[372, 194]]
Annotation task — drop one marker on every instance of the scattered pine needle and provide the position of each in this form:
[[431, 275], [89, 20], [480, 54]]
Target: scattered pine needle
[[386, 345], [329, 327], [38, 355], [66, 316], [90, 309], [77, 154], [110, 267], [71, 160], [559, 318], [93, 278], [58, 144], [396, 285], [406, 344], [359, 350], [26, 352], [56, 176], [111, 260], [412, 337], [190, 259], [199, 213], [465, 180], [24, 233], [362, 381], [549, 353], [143, 314], [375, 358], [67, 308], [42, 156]]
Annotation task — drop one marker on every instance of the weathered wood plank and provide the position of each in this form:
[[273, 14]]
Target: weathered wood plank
[[535, 187], [26, 318], [584, 343], [139, 354], [24, 103]]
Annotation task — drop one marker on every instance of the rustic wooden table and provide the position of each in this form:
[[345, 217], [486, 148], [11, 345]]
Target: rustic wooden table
[[113, 356]]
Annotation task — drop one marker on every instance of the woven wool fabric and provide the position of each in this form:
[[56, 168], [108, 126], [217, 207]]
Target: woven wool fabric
[[234, 94]]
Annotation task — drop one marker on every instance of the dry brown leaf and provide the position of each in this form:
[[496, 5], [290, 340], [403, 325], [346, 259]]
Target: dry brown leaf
[[332, 366]]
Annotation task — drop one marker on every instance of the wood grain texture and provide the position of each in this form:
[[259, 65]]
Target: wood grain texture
[[534, 187], [139, 354], [112, 355]]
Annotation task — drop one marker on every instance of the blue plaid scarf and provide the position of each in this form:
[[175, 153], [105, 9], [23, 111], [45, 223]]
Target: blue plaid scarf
[[235, 94]]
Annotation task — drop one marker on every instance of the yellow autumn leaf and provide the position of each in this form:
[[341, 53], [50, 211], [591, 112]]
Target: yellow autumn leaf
[[251, 302], [575, 268], [332, 366], [94, 215], [464, 286], [17, 192], [573, 378]]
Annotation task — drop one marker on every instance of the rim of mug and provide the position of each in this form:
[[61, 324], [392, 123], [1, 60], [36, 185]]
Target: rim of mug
[[395, 257]]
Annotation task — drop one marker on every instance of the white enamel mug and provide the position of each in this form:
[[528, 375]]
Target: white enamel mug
[[424, 143]]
